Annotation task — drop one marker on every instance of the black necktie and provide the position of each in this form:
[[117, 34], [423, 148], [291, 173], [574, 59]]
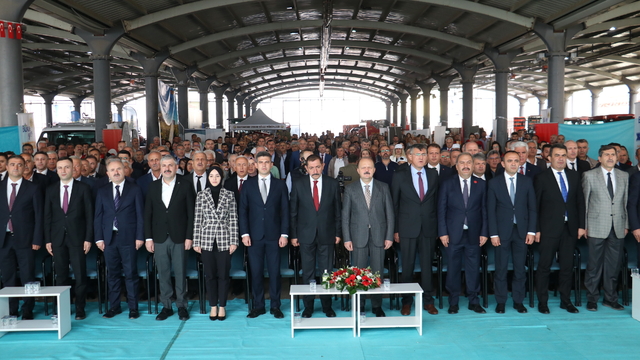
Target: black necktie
[[198, 186], [609, 185]]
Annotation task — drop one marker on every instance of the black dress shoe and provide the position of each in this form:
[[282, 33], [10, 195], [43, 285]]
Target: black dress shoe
[[112, 312], [164, 314], [307, 313], [591, 306], [134, 314], [378, 312], [453, 309], [276, 313], [500, 308], [329, 312], [223, 317], [183, 314], [610, 304], [80, 314], [256, 312], [543, 308], [27, 315], [477, 308], [569, 307], [521, 309]]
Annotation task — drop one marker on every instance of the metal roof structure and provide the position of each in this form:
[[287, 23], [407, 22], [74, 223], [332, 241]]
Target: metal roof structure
[[383, 47]]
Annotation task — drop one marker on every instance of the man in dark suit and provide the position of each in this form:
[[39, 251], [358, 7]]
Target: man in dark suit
[[573, 162], [41, 180], [40, 160], [153, 159], [236, 181], [368, 223], [633, 206], [198, 176], [168, 227], [282, 160], [635, 168], [511, 210], [462, 226], [524, 168], [294, 161], [264, 225], [326, 158], [21, 212], [119, 233], [315, 225], [560, 204], [433, 162], [68, 229], [493, 164], [415, 197]]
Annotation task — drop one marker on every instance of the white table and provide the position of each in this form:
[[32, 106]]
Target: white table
[[322, 322], [64, 311], [394, 321]]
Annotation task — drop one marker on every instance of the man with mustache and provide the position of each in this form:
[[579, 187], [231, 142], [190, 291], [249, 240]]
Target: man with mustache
[[462, 226], [605, 193]]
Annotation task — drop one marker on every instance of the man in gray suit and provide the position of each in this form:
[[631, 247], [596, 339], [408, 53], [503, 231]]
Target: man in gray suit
[[605, 193], [367, 223]]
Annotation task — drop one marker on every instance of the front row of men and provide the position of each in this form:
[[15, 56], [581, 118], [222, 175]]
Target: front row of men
[[512, 210]]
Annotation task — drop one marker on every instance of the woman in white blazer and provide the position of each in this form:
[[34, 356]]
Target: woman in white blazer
[[215, 237]]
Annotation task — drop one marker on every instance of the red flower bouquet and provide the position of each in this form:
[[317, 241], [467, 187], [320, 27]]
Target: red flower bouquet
[[353, 279]]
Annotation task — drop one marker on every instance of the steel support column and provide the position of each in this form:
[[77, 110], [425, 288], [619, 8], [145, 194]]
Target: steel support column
[[11, 96], [426, 103], [182, 81], [48, 104], [556, 42], [101, 46], [501, 62], [443, 83], [150, 66], [219, 92], [231, 96], [414, 108], [595, 96], [203, 90], [403, 109], [467, 76]]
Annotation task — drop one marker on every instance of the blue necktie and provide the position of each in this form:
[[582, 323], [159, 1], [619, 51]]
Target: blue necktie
[[116, 203], [563, 188], [512, 193]]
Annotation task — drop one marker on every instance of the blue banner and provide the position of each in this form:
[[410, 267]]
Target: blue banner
[[167, 104], [10, 139], [622, 132]]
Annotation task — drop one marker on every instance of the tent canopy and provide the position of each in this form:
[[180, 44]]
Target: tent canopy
[[258, 121]]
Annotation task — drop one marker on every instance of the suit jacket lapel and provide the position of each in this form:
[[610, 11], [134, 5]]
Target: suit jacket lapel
[[173, 194], [619, 189]]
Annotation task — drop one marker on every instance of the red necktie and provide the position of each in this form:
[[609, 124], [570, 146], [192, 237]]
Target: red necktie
[[240, 187], [522, 170], [316, 198], [420, 185], [12, 199], [65, 199]]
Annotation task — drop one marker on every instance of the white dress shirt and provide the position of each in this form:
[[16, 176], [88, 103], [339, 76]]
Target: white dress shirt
[[319, 187], [337, 164], [202, 180], [414, 178], [167, 191], [10, 189], [437, 167], [606, 178], [244, 179], [70, 184]]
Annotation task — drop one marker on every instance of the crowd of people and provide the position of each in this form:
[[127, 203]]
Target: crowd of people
[[262, 193]]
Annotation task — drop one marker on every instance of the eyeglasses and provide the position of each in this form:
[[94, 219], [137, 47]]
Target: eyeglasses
[[384, 150], [420, 154], [445, 156]]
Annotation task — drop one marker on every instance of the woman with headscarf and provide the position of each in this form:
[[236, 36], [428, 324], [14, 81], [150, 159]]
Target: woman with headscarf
[[215, 237]]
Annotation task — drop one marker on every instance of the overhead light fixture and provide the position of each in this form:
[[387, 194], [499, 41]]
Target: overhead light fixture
[[353, 30], [293, 33], [289, 7], [346, 48], [612, 28]]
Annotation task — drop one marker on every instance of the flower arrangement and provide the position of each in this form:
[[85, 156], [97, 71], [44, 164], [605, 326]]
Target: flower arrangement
[[353, 279]]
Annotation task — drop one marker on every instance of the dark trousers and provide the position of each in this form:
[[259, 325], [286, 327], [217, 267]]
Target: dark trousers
[[311, 254], [372, 256], [66, 255], [259, 249], [517, 248], [605, 256], [216, 272], [425, 247], [469, 251], [121, 257], [12, 258], [167, 255], [565, 245]]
